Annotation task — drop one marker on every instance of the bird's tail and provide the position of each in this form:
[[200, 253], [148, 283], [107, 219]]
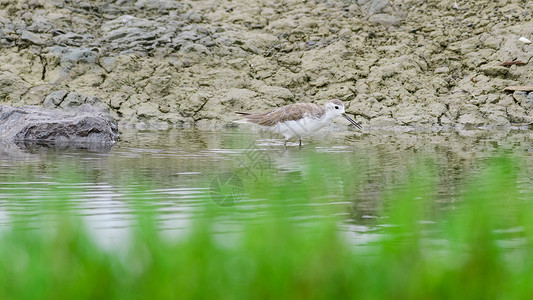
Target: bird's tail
[[242, 121]]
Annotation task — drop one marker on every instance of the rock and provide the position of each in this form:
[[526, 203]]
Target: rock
[[410, 115], [54, 99], [13, 151], [195, 48], [470, 120], [260, 42], [498, 120], [442, 70], [128, 36], [84, 128], [372, 7], [529, 98], [12, 87], [117, 100], [494, 71], [36, 94], [518, 115], [436, 109], [33, 38], [194, 17], [162, 5], [77, 66], [510, 48], [272, 92], [521, 98], [490, 41], [466, 46], [40, 24], [129, 32], [385, 19], [191, 106], [75, 54], [380, 12], [71, 100], [73, 39], [383, 122], [238, 96], [147, 109]]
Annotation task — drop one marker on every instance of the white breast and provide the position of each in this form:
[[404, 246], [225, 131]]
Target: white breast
[[300, 128]]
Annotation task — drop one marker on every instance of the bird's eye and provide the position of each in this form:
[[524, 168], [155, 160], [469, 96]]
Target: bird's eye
[[336, 107]]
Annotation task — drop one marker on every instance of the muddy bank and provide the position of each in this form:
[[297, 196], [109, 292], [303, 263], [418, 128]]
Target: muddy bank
[[417, 63]]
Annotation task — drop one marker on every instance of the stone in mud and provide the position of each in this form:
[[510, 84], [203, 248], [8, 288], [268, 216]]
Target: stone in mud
[[380, 12], [442, 70], [72, 39], [162, 5], [494, 71], [129, 32], [518, 114], [498, 120], [490, 41], [81, 128], [191, 106], [385, 19], [410, 114], [36, 94], [383, 122], [272, 92], [372, 7], [522, 99], [147, 109], [470, 120], [71, 100], [436, 109], [529, 98], [196, 49], [54, 99], [33, 38], [12, 87], [75, 54], [40, 24]]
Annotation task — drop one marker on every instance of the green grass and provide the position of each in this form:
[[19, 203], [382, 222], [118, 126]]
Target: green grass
[[288, 245]]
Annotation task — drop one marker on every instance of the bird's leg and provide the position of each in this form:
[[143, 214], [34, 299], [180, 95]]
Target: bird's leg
[[285, 144], [300, 142]]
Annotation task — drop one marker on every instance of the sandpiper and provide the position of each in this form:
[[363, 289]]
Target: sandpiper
[[298, 119]]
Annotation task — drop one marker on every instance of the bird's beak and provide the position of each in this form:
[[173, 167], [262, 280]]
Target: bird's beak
[[352, 121]]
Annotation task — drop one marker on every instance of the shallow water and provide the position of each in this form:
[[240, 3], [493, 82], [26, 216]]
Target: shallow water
[[177, 170]]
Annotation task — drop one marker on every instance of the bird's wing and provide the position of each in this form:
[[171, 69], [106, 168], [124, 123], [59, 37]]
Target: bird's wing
[[286, 113]]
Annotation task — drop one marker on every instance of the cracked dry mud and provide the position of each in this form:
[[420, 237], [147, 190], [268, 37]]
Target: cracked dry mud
[[165, 63]]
